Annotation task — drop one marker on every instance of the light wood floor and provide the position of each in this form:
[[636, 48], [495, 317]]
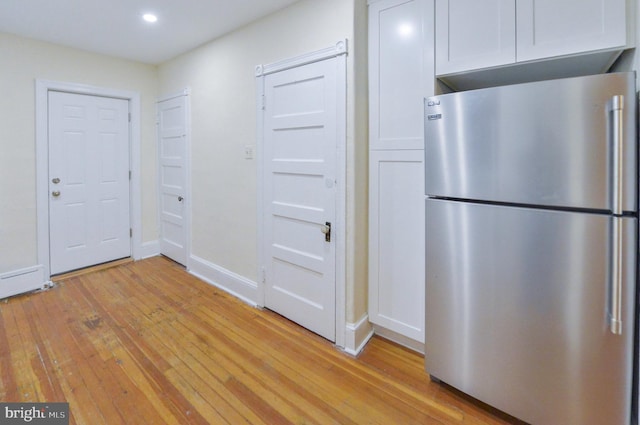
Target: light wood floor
[[146, 343]]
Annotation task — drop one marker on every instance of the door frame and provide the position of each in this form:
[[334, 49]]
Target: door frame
[[43, 87], [186, 93], [338, 51]]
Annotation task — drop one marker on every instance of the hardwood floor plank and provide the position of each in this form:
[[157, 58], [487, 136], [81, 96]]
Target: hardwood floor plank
[[140, 370], [279, 347], [137, 395], [305, 373], [201, 344], [68, 365], [163, 339], [454, 415], [363, 375], [147, 343], [257, 404], [27, 388], [7, 372], [41, 338], [259, 362]]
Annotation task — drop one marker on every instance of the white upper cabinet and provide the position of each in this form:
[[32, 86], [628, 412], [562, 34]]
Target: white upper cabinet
[[548, 28], [400, 68], [476, 35], [473, 34]]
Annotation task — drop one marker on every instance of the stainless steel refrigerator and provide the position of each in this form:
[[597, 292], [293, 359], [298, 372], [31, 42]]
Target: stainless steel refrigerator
[[531, 247]]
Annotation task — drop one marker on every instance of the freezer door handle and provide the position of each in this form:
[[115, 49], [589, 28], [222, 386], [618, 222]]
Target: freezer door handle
[[615, 298], [616, 109]]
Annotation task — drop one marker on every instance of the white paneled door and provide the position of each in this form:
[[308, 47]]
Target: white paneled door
[[172, 136], [299, 172], [89, 202]]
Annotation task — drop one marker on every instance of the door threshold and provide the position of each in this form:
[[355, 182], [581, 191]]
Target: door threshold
[[98, 267]]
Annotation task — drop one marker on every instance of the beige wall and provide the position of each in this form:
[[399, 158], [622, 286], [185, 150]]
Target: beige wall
[[221, 77], [22, 61]]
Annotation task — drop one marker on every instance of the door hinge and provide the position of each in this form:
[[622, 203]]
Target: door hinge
[[264, 275], [129, 116], [264, 102], [130, 232], [129, 174]]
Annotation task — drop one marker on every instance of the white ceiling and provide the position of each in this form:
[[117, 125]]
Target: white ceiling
[[116, 28]]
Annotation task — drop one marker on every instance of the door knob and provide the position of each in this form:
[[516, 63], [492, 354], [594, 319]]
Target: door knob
[[180, 198], [56, 193], [326, 229]]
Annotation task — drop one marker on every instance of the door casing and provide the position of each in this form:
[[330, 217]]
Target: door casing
[[42, 162], [338, 51]]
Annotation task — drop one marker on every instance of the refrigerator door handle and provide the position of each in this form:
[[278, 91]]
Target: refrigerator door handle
[[616, 109], [615, 298]]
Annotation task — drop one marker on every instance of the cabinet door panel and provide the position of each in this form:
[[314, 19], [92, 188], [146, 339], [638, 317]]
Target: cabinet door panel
[[548, 28], [401, 67], [396, 240], [472, 34]]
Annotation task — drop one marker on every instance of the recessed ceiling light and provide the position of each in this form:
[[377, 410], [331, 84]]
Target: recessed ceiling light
[[149, 17]]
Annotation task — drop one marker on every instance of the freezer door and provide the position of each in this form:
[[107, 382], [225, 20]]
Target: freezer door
[[547, 143], [517, 311]]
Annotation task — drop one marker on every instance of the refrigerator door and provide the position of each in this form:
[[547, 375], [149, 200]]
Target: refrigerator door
[[546, 143], [517, 304]]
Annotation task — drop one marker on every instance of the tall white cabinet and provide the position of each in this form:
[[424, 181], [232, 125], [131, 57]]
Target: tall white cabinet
[[401, 74]]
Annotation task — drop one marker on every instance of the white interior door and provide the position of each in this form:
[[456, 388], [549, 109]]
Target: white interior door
[[88, 180], [299, 166], [172, 134]]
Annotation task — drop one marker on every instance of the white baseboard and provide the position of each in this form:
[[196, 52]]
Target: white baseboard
[[228, 281], [150, 249], [23, 280], [399, 339], [357, 335]]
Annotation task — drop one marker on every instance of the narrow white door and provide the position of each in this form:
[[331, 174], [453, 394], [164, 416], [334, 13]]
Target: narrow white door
[[172, 135], [299, 165], [88, 180]]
